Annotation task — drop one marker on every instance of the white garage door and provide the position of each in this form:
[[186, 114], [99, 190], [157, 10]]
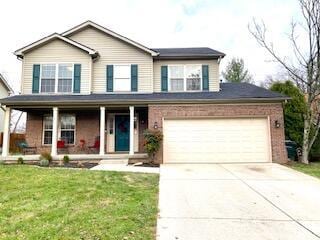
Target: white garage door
[[216, 140]]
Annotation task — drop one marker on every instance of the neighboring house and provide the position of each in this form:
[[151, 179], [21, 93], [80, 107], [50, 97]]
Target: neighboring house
[[91, 83], [5, 91]]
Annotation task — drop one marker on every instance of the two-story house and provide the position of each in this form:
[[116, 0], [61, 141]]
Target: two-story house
[[91, 85]]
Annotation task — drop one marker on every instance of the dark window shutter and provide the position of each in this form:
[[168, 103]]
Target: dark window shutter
[[134, 78], [35, 78], [109, 74], [164, 78], [76, 78], [205, 77]]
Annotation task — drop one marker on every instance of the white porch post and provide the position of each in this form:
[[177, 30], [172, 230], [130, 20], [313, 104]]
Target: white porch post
[[131, 149], [6, 133], [102, 130], [55, 121]]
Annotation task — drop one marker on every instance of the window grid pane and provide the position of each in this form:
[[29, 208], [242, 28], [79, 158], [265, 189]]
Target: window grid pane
[[122, 78], [65, 78], [65, 85], [48, 73], [47, 139], [176, 78], [177, 84], [67, 136], [193, 74]]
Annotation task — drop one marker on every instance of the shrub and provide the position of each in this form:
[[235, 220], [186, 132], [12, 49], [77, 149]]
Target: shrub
[[66, 159], [44, 163], [46, 155], [20, 160], [152, 140]]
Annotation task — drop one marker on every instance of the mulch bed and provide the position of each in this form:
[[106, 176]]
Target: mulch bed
[[79, 164]]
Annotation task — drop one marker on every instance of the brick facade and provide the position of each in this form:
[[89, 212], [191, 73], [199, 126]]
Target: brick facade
[[87, 128], [274, 111]]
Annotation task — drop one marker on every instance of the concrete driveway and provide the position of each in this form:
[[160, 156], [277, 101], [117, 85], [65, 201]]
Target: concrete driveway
[[237, 201]]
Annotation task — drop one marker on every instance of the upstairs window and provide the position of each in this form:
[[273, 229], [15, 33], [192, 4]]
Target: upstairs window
[[176, 76], [56, 78], [65, 78], [185, 78], [48, 78], [122, 78]]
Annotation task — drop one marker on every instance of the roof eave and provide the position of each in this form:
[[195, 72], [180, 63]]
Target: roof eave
[[137, 101], [189, 57], [20, 52]]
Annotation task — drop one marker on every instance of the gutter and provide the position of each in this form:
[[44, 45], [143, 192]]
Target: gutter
[[137, 101]]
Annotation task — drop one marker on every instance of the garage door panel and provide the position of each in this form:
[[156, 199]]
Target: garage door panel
[[216, 140]]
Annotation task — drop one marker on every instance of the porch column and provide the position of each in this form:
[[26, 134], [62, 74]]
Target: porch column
[[131, 149], [6, 132], [102, 130], [55, 121]]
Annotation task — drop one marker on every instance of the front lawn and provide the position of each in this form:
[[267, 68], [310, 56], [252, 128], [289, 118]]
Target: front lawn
[[312, 169], [46, 203]]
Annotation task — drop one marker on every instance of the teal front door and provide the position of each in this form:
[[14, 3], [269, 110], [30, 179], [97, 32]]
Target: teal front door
[[122, 127]]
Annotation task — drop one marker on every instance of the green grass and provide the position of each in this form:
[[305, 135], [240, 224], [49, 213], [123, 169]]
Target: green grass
[[47, 203], [312, 169]]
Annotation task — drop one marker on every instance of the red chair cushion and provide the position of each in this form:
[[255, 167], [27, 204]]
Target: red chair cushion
[[97, 144], [60, 144]]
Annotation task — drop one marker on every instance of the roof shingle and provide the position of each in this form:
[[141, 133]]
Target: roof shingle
[[198, 52], [233, 92]]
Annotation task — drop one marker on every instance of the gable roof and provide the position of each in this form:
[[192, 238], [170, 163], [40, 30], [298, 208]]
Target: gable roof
[[109, 32], [20, 52], [230, 92], [5, 84], [183, 53]]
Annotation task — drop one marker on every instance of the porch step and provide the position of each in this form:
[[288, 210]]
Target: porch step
[[124, 161]]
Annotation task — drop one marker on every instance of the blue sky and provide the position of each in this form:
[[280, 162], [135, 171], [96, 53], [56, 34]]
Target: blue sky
[[219, 24]]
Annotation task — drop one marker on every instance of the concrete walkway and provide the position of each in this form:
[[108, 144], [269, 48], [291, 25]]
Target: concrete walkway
[[125, 168], [237, 202]]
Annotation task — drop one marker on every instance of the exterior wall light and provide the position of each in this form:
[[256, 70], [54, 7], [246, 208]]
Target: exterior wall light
[[155, 125], [277, 124]]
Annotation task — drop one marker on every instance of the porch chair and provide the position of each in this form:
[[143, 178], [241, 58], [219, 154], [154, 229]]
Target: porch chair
[[25, 148], [61, 146], [96, 146]]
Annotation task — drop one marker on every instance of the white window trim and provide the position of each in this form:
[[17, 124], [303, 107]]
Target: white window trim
[[184, 77], [43, 130], [56, 77], [59, 128], [119, 65]]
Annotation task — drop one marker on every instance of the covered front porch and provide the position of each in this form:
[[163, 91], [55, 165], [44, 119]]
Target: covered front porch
[[82, 133]]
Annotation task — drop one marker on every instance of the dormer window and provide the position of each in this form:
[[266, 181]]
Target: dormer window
[[184, 78], [56, 78]]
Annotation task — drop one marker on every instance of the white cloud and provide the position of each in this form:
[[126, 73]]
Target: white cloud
[[221, 25]]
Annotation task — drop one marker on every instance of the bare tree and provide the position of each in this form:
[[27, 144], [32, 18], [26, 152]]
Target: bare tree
[[304, 67]]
